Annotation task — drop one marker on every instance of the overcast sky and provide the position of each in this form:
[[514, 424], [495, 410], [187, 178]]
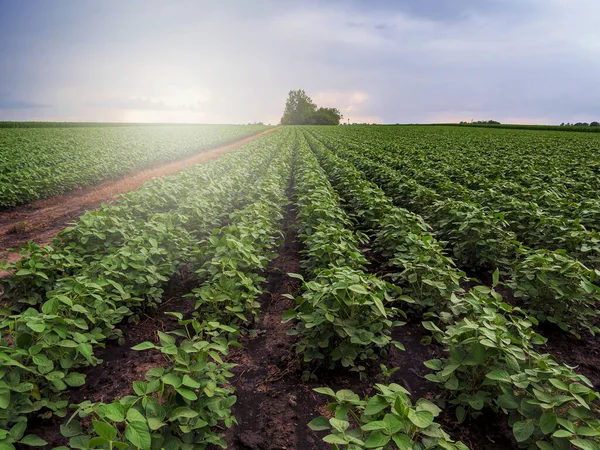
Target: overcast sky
[[519, 61]]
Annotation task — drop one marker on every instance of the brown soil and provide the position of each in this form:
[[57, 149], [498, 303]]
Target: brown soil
[[582, 353], [275, 404], [42, 220]]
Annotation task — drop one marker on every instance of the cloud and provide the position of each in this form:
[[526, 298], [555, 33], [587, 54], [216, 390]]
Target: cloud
[[409, 61], [354, 105], [6, 104]]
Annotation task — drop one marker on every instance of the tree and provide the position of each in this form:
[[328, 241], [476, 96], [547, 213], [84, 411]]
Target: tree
[[298, 108], [301, 110], [325, 116]]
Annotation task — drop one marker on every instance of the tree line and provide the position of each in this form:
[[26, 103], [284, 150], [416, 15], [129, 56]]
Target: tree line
[[301, 110]]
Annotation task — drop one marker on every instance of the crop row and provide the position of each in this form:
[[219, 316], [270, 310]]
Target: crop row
[[182, 404], [543, 167], [492, 361], [65, 300], [344, 317], [532, 224], [554, 286], [41, 162]]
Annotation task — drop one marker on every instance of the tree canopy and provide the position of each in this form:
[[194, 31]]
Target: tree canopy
[[301, 110]]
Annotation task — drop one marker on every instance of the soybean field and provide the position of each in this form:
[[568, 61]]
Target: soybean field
[[321, 287]]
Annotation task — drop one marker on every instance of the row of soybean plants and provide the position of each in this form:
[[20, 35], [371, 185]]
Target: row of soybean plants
[[64, 301], [554, 287], [492, 361], [345, 317], [533, 225], [544, 168], [184, 404], [41, 162]]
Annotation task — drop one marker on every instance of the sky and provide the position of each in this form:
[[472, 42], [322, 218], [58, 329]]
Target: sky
[[201, 61]]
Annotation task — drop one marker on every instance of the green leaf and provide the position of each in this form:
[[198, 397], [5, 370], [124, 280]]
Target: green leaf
[[434, 364], [187, 394], [523, 431], [143, 346], [104, 430], [376, 404], [172, 380], [4, 397], [460, 413], [319, 424], [562, 434], [189, 382], [499, 375], [33, 441], [139, 387], [97, 442], [133, 415], [72, 428], [50, 306], [165, 339], [377, 439], [585, 444], [114, 412], [559, 384], [422, 419], [548, 422], [338, 424], [358, 288], [325, 390], [155, 423], [507, 401], [75, 379], [495, 278], [138, 434], [402, 441], [335, 439], [187, 413], [86, 350]]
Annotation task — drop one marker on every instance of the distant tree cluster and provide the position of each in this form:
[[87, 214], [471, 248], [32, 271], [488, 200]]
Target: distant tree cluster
[[487, 122], [581, 124], [301, 110]]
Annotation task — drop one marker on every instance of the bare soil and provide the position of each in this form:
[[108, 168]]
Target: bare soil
[[40, 221]]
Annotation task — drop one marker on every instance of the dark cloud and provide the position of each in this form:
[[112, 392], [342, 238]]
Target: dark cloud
[[410, 60]]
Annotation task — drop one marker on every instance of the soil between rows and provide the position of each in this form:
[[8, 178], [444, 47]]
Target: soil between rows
[[275, 404]]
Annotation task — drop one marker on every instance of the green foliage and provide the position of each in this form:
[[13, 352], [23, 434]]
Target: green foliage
[[301, 110], [478, 234], [178, 404], [41, 162], [344, 316], [386, 420], [65, 300], [492, 360], [492, 364]]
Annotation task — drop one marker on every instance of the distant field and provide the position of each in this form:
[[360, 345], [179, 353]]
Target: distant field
[[38, 162]]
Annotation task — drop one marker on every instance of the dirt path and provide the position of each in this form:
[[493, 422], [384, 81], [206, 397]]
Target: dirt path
[[40, 221]]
